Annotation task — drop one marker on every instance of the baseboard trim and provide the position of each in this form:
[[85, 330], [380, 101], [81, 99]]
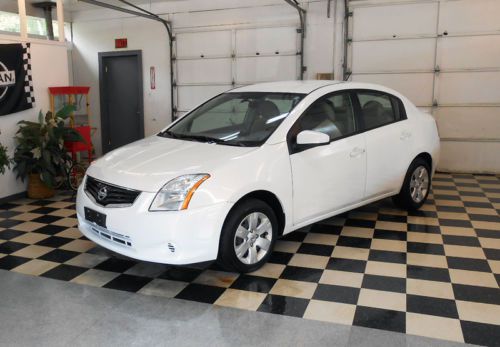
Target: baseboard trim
[[13, 197]]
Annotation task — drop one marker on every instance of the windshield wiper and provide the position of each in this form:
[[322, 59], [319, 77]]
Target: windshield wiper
[[203, 138]]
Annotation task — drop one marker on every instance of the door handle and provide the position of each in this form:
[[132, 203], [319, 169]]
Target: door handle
[[356, 152], [405, 135]]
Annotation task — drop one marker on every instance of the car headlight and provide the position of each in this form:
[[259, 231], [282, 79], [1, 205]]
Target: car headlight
[[176, 194]]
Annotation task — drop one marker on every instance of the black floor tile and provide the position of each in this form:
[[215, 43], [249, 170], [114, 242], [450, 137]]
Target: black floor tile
[[201, 293], [446, 197], [41, 202], [59, 255], [358, 242], [391, 218], [54, 241], [7, 206], [431, 306], [455, 223], [64, 272], [128, 283], [422, 213], [51, 229], [350, 265], [47, 219], [390, 284], [346, 295], [478, 204], [254, 283], [427, 248], [284, 305], [491, 253], [8, 214], [485, 218], [301, 274], [493, 234], [180, 273], [389, 235], [295, 236], [11, 247], [116, 265], [10, 234], [326, 229], [44, 210], [360, 223], [461, 240], [9, 223], [431, 229], [387, 256], [10, 261], [456, 209], [477, 294], [377, 318], [280, 257], [315, 249], [481, 333], [427, 273], [468, 264]]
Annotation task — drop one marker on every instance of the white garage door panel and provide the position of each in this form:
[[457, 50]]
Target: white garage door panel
[[401, 20], [470, 52], [469, 88], [253, 70], [266, 40], [469, 16], [405, 84], [210, 43], [469, 156], [393, 55], [468, 122], [209, 71], [192, 96]]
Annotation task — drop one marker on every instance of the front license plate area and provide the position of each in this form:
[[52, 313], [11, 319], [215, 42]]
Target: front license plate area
[[95, 217]]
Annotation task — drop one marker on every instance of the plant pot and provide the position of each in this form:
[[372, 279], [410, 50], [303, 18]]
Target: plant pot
[[37, 189]]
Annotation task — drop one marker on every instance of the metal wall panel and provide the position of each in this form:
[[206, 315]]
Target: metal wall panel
[[393, 55], [468, 122], [262, 69], [416, 87], [204, 71], [192, 96], [266, 41], [210, 43], [469, 88], [388, 20], [469, 16], [470, 52]]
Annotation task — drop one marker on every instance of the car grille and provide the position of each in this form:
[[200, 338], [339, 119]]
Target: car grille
[[106, 194]]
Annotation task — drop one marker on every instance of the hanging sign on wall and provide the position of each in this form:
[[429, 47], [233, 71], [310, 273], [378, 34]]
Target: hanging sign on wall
[[16, 82]]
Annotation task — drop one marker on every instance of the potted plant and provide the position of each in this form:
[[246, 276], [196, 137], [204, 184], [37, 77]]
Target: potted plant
[[40, 154], [5, 161]]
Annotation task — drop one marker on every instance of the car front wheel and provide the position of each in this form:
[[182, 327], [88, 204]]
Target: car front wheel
[[416, 186], [248, 236]]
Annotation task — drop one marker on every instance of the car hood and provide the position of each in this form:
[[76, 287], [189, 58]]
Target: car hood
[[148, 164]]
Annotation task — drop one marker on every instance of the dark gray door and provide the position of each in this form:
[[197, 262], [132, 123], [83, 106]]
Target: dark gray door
[[122, 118]]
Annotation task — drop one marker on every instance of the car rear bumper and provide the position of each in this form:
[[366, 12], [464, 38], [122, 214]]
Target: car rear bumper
[[169, 237]]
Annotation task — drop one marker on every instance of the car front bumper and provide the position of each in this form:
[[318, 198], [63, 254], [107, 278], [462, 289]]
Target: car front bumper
[[169, 237]]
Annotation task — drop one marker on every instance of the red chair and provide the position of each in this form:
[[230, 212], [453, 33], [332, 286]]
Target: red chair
[[75, 147]]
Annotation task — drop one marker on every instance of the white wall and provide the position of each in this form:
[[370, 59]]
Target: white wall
[[95, 30], [49, 68]]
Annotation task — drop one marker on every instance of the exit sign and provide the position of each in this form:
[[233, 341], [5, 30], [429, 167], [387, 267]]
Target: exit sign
[[120, 43]]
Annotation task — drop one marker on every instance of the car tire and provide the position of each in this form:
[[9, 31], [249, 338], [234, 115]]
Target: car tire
[[250, 227], [416, 186]]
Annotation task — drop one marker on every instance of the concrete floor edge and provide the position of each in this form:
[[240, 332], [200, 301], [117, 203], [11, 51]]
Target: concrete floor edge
[[41, 311]]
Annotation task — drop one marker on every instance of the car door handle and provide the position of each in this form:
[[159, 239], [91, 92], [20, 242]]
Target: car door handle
[[405, 135], [356, 152]]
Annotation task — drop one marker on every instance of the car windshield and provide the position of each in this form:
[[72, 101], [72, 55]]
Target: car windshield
[[236, 119]]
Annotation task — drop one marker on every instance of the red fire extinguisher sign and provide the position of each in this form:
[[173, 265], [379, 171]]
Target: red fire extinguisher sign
[[152, 77]]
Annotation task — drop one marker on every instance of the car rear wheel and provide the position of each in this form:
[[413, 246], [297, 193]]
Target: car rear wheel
[[248, 236], [416, 186]]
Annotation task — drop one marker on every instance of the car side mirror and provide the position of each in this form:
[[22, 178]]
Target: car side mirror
[[314, 138]]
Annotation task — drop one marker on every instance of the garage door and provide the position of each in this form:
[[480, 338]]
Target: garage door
[[210, 62], [445, 56]]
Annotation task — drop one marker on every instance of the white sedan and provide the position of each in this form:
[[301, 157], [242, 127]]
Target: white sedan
[[249, 165]]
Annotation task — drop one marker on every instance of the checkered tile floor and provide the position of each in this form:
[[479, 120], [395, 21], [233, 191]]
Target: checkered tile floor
[[435, 272]]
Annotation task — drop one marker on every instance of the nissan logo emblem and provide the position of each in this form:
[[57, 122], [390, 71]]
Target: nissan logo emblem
[[102, 193]]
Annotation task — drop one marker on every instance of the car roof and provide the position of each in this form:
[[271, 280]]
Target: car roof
[[301, 87]]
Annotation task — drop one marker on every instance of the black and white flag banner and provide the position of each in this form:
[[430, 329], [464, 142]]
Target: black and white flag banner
[[16, 82]]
